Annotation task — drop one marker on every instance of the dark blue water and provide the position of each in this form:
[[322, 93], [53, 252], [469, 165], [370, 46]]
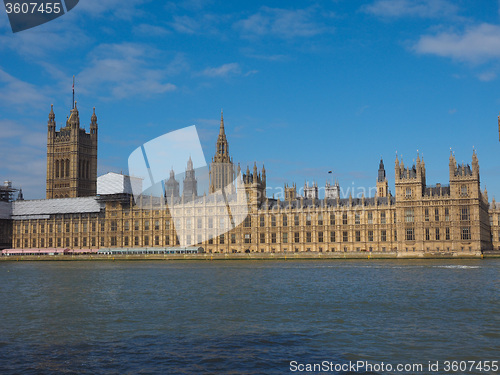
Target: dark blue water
[[244, 317]]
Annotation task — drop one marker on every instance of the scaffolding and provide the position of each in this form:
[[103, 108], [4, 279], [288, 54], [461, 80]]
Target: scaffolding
[[7, 192]]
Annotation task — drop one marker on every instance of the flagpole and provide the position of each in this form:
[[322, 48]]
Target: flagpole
[[73, 92]]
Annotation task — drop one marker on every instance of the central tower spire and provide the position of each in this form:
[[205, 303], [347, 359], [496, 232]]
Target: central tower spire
[[222, 147], [221, 168], [221, 130]]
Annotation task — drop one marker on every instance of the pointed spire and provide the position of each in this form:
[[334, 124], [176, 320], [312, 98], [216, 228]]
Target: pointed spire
[[222, 130], [381, 171], [20, 196], [52, 118], [74, 117]]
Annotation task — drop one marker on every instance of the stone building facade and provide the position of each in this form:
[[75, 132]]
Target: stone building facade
[[418, 218], [71, 157]]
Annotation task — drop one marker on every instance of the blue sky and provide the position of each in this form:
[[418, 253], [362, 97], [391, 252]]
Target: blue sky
[[306, 87]]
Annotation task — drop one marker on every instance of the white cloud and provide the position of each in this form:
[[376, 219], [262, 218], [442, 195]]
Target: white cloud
[[200, 24], [193, 5], [476, 44], [223, 70], [115, 8], [285, 23], [487, 76], [17, 93], [23, 157], [411, 8], [150, 30], [44, 40], [185, 24], [125, 70]]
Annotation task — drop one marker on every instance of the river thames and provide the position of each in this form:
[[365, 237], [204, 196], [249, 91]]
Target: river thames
[[246, 317]]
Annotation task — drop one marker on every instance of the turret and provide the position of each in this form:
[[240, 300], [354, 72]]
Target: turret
[[475, 164], [255, 185], [381, 171], [397, 171], [190, 185], [74, 119], [93, 123], [382, 184], [452, 165], [171, 186], [51, 124], [20, 196]]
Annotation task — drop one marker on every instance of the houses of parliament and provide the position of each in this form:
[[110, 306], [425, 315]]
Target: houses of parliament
[[84, 211]]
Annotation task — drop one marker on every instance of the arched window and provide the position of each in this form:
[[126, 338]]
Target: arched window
[[57, 169], [62, 168], [88, 169], [67, 167]]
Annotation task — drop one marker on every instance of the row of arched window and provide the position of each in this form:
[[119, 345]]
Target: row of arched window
[[62, 168], [84, 169]]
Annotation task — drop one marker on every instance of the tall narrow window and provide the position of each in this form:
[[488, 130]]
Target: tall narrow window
[[410, 235], [464, 213], [409, 215], [408, 192], [465, 233]]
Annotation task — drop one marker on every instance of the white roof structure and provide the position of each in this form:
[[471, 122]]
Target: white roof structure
[[42, 208], [116, 183]]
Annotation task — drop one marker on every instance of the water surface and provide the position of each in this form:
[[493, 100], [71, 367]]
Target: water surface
[[243, 317]]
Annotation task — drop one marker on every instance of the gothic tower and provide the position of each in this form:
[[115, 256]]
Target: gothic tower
[[190, 185], [172, 186], [71, 157], [221, 168], [382, 184]]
